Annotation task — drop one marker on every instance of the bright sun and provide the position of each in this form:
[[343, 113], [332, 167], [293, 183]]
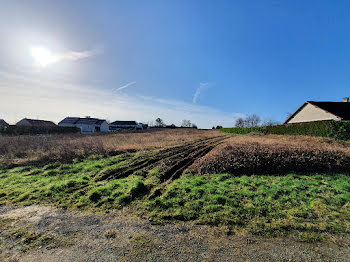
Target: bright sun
[[42, 56]]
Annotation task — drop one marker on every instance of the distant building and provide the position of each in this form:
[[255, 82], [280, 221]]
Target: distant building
[[35, 122], [131, 125], [3, 123], [86, 125], [312, 111]]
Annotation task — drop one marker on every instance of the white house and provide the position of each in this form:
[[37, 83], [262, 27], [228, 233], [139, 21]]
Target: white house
[[131, 125], [312, 111], [34, 122], [86, 125]]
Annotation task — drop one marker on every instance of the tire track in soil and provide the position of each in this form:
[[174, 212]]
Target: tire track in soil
[[170, 155], [177, 169], [174, 161]]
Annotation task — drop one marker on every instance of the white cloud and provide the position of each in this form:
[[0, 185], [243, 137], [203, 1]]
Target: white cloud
[[43, 56], [73, 56], [202, 87], [125, 86], [29, 96]]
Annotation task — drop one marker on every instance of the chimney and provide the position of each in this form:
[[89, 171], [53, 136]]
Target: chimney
[[346, 99]]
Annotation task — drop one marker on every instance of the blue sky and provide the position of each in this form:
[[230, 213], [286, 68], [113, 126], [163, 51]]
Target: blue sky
[[207, 61]]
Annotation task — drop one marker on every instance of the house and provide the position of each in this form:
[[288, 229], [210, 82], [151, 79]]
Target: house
[[312, 111], [131, 125], [86, 125], [3, 123], [35, 122]]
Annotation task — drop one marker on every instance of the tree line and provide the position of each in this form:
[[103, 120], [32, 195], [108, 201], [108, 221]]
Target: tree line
[[248, 121], [160, 123], [254, 121]]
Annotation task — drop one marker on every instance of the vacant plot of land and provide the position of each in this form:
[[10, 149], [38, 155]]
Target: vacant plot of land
[[153, 181], [295, 187], [48, 148], [112, 180]]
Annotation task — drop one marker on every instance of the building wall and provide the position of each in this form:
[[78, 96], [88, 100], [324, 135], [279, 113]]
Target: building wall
[[66, 125], [311, 113], [138, 126], [86, 128], [117, 127], [104, 127]]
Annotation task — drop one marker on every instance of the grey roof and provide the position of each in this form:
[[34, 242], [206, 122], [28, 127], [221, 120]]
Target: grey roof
[[124, 123], [3, 122], [340, 109], [69, 120], [82, 121], [37, 122]]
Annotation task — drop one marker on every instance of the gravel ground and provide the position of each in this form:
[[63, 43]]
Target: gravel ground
[[119, 236]]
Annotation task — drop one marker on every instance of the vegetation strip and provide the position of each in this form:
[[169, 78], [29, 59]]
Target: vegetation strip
[[153, 182], [339, 130], [43, 149]]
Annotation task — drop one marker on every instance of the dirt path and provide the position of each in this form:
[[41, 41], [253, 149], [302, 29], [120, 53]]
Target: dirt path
[[43, 233]]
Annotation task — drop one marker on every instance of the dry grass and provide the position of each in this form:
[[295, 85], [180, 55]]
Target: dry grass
[[272, 154], [294, 142], [25, 149]]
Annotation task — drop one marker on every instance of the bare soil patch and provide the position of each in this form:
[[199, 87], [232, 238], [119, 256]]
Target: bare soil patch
[[120, 236]]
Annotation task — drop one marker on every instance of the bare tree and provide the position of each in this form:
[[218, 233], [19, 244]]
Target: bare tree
[[159, 122], [252, 121], [249, 121], [270, 122], [239, 122], [186, 123]]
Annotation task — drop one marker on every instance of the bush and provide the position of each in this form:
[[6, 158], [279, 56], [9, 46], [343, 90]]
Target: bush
[[334, 129], [321, 129], [243, 130], [340, 130]]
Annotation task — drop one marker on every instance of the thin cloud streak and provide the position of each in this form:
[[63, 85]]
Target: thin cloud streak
[[202, 87], [125, 86], [44, 57], [74, 56]]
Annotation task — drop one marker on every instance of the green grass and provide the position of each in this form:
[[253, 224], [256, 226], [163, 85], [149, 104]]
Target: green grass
[[273, 205], [70, 185], [312, 205]]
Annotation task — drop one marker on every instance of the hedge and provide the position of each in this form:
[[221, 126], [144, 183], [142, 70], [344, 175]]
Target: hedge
[[243, 130], [334, 129], [36, 130]]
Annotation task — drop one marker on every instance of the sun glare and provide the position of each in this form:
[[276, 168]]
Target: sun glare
[[42, 56]]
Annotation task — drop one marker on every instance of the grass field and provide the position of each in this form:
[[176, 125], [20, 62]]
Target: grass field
[[163, 184]]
